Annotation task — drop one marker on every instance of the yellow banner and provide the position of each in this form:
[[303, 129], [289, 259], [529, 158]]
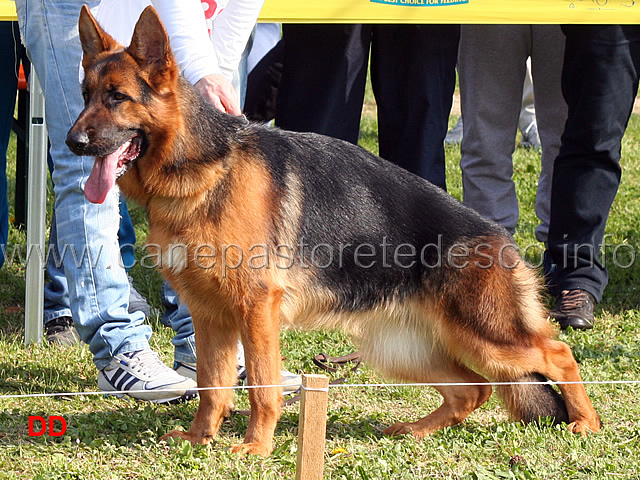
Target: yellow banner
[[7, 10], [437, 11], [452, 11]]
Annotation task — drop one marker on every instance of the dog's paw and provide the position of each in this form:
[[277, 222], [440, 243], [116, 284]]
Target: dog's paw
[[200, 439], [404, 428], [399, 428], [254, 448], [585, 426]]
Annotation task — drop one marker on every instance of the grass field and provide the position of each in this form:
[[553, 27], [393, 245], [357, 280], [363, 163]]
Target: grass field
[[111, 438]]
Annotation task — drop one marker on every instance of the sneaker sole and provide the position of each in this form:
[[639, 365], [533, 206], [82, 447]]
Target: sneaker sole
[[190, 395]]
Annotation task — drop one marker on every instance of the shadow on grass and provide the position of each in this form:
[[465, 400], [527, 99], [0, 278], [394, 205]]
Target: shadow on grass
[[12, 288], [121, 427], [132, 424], [33, 378], [139, 422], [126, 427]]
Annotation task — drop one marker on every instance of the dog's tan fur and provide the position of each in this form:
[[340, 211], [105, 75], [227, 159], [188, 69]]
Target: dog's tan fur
[[208, 179]]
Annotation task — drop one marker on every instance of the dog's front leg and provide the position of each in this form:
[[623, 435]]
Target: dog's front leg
[[260, 335], [216, 345]]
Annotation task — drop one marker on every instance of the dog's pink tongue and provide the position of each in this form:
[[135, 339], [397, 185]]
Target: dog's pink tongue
[[103, 175], [102, 178]]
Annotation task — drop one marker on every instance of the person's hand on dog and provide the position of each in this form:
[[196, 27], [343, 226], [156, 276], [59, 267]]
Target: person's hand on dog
[[220, 93]]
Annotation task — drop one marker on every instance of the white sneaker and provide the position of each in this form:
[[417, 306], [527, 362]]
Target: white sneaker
[[531, 137], [143, 376], [290, 381], [186, 369], [454, 136]]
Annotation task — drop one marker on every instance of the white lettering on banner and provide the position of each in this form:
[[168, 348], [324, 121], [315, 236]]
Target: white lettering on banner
[[420, 3]]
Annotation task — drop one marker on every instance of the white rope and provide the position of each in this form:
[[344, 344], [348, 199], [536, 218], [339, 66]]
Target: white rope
[[307, 389], [495, 384], [342, 385]]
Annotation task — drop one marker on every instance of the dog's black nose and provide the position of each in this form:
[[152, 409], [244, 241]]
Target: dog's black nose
[[77, 141]]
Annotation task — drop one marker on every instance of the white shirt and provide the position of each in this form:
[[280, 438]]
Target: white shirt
[[206, 37]]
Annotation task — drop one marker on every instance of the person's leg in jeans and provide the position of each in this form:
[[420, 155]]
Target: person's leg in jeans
[[599, 83], [58, 323], [491, 65], [9, 59], [323, 79], [176, 315], [413, 78], [127, 242], [547, 54], [126, 236], [98, 286]]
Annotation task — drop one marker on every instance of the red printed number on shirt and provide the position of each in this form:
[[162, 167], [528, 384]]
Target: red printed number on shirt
[[209, 7]]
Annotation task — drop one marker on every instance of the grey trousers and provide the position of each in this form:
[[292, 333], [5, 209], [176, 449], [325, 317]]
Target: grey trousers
[[492, 68]]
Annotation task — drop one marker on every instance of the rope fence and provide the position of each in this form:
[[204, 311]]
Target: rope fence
[[342, 385], [314, 399]]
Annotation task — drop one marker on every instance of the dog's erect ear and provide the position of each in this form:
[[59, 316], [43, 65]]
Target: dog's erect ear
[[150, 46], [149, 43], [93, 38]]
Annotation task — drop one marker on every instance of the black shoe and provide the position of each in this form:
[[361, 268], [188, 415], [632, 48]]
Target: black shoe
[[60, 331], [454, 136], [574, 308]]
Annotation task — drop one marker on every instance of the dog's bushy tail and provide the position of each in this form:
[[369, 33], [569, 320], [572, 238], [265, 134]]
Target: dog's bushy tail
[[532, 402]]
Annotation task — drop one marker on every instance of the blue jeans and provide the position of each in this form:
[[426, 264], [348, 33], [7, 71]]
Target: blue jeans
[[126, 237], [56, 291], [177, 316], [600, 83], [8, 87], [323, 83], [97, 282]]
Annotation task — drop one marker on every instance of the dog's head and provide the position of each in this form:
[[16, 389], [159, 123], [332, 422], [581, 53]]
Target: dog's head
[[121, 90]]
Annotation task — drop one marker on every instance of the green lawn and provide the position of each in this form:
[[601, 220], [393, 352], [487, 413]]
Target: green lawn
[[110, 438]]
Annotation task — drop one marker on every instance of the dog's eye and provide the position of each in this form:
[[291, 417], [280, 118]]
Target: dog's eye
[[85, 96], [119, 97]]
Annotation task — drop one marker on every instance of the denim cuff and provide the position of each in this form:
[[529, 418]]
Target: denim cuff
[[126, 347], [53, 314], [184, 357]]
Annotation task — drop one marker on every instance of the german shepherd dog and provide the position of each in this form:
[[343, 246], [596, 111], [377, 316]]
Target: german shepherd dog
[[258, 227]]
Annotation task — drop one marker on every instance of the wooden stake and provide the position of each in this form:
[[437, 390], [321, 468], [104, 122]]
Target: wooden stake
[[312, 427]]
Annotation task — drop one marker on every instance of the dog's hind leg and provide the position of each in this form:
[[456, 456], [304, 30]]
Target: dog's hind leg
[[260, 334], [216, 366], [458, 400]]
